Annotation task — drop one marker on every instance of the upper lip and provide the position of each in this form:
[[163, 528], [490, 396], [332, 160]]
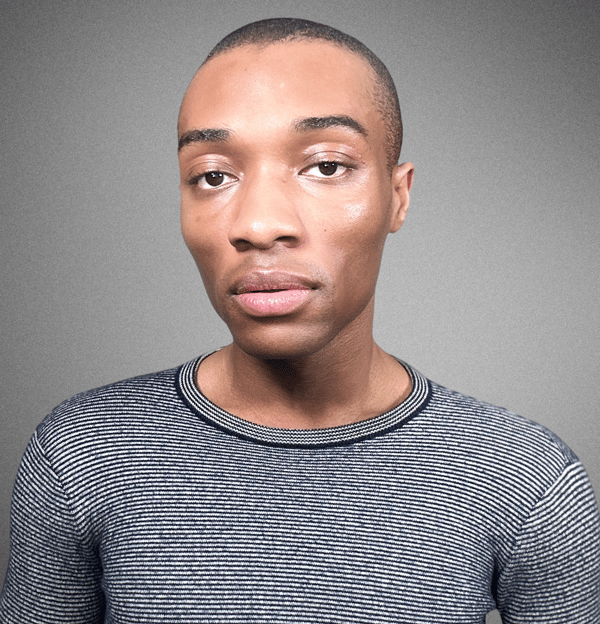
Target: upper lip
[[260, 281]]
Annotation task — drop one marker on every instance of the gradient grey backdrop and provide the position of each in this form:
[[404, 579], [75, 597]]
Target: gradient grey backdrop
[[491, 287]]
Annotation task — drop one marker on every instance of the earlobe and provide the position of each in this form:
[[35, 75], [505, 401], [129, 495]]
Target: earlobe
[[402, 179]]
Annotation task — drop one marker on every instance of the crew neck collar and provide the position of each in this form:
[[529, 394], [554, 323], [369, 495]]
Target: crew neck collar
[[302, 438]]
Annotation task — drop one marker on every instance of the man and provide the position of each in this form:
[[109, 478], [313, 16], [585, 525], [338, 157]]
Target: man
[[299, 474]]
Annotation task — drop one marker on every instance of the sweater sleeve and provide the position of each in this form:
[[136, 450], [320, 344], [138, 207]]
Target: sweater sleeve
[[553, 575], [53, 575]]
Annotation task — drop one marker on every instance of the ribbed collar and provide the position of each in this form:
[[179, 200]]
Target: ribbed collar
[[302, 438]]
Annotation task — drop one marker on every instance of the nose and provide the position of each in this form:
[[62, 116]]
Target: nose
[[267, 213]]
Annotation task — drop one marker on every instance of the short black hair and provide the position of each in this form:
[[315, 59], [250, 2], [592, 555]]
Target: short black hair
[[267, 31]]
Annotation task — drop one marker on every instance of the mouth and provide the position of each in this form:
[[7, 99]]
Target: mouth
[[272, 293]]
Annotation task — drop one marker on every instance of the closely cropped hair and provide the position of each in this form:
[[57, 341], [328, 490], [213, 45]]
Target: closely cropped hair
[[279, 29]]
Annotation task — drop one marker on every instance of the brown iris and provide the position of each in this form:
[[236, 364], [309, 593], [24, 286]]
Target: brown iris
[[328, 168], [214, 178]]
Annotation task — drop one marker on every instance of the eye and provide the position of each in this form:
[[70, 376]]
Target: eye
[[327, 169], [211, 179], [214, 178]]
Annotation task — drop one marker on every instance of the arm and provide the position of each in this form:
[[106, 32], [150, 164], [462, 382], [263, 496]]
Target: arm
[[553, 575], [53, 575]]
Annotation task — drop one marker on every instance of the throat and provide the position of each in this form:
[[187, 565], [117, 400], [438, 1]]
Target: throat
[[293, 395]]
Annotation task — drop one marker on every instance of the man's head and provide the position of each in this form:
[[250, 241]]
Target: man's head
[[268, 31], [287, 191]]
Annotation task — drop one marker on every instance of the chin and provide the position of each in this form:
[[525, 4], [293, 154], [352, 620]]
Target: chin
[[281, 343]]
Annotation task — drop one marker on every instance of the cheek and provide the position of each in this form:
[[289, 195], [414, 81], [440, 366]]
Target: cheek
[[354, 251], [355, 213], [365, 212], [359, 231], [198, 245], [198, 228], [202, 247]]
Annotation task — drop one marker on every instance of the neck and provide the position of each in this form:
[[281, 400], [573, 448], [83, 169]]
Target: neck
[[347, 381]]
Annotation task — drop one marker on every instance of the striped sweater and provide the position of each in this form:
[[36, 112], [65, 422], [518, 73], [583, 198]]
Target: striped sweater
[[143, 502]]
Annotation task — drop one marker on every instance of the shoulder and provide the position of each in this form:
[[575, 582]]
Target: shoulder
[[498, 466], [484, 425], [505, 457], [110, 412]]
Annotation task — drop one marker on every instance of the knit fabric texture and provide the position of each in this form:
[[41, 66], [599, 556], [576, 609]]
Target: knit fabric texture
[[143, 502]]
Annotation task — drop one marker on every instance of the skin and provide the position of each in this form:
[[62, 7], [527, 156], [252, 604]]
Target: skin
[[276, 209]]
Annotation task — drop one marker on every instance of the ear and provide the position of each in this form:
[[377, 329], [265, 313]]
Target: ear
[[402, 179]]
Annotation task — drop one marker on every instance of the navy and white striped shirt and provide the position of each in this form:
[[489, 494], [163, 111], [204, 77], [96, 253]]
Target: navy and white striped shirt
[[143, 502]]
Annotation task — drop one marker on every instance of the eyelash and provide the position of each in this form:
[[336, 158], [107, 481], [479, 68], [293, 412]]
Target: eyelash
[[330, 161], [195, 180]]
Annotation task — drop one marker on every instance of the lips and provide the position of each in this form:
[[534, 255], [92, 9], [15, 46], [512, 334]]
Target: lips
[[272, 293]]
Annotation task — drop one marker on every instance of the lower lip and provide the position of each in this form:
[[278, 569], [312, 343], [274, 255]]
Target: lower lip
[[273, 303]]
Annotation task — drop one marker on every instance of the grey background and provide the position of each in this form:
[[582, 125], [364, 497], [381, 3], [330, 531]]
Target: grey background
[[491, 287]]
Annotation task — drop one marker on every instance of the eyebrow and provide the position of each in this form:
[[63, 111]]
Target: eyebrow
[[207, 135], [330, 121], [306, 124]]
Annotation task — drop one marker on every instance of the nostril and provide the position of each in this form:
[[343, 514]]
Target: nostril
[[241, 245], [264, 233]]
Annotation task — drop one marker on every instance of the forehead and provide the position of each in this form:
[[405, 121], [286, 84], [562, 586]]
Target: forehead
[[268, 84]]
